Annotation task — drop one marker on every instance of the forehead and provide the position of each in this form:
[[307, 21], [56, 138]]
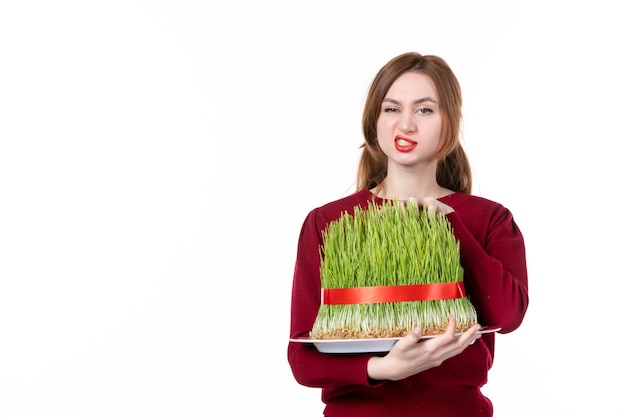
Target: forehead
[[412, 86]]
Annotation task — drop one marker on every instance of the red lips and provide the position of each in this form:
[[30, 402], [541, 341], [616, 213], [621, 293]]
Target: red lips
[[404, 144]]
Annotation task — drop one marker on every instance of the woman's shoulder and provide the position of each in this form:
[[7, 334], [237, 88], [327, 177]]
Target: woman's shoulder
[[333, 209], [479, 210], [470, 200], [348, 202]]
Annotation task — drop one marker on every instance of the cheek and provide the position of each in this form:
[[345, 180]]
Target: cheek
[[437, 124], [381, 135], [382, 127]]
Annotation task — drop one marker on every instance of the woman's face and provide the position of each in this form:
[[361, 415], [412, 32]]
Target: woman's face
[[409, 125]]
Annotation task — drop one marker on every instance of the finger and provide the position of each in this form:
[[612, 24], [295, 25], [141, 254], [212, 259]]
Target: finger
[[470, 335], [416, 333], [477, 335], [451, 328], [449, 334], [431, 205], [410, 339]]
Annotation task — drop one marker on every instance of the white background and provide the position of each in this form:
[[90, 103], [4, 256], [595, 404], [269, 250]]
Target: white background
[[157, 159]]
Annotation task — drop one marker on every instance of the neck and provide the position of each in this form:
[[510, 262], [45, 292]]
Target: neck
[[404, 182], [404, 188]]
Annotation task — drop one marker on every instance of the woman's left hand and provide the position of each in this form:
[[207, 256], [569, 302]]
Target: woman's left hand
[[431, 204]]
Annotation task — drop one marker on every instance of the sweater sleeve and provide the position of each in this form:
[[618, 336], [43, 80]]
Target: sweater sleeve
[[494, 260], [309, 366]]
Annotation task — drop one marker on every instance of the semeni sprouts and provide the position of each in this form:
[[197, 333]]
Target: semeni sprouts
[[390, 244]]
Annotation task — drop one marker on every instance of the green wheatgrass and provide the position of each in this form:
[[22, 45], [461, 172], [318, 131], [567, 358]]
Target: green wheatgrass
[[393, 243]]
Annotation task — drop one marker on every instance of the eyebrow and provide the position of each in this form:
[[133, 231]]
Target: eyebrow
[[419, 101]]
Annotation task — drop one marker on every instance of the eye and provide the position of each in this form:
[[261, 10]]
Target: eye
[[390, 110], [424, 110]]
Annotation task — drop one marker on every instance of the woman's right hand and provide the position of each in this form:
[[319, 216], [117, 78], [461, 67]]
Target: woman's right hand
[[409, 355]]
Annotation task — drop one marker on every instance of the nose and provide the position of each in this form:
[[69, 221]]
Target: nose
[[407, 123]]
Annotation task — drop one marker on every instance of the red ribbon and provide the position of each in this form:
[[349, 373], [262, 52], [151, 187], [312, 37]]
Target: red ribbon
[[393, 293]]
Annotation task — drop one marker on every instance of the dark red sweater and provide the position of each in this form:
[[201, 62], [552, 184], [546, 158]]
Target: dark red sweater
[[494, 262]]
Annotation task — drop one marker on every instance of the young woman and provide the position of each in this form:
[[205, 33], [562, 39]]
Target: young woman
[[411, 124]]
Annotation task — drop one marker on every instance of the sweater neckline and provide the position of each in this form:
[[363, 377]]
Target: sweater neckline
[[380, 199]]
